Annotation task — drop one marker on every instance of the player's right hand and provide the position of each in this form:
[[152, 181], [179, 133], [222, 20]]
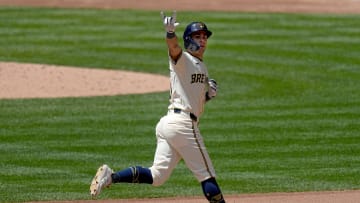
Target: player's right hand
[[169, 22]]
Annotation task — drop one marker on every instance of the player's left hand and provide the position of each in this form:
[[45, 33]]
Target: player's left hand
[[212, 92], [169, 22]]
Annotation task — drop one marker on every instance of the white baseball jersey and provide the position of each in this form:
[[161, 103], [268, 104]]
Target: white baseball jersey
[[189, 83]]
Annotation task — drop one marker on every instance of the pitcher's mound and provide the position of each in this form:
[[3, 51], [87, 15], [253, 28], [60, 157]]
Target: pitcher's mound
[[49, 81]]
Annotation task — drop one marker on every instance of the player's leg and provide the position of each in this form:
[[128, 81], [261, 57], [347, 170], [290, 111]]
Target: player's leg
[[134, 174], [105, 177], [194, 153], [166, 157], [198, 161]]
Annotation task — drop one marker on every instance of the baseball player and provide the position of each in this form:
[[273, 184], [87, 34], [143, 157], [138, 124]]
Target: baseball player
[[178, 135]]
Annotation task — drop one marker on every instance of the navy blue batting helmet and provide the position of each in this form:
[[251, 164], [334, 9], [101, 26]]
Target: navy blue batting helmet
[[189, 43]]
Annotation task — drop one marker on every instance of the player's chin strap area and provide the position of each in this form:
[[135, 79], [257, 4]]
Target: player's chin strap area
[[193, 46], [192, 116]]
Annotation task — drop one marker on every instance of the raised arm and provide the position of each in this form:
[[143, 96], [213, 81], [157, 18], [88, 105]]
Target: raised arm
[[171, 38]]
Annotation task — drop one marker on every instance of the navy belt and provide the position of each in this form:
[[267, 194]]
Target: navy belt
[[192, 116]]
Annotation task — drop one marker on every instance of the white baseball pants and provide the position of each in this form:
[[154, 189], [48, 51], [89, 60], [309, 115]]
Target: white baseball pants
[[178, 137]]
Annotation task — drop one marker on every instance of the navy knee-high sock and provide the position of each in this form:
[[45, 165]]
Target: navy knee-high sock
[[135, 174]]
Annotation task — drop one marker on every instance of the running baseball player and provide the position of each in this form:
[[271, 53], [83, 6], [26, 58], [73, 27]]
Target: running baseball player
[[178, 135]]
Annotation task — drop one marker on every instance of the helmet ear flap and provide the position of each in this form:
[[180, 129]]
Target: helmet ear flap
[[191, 44]]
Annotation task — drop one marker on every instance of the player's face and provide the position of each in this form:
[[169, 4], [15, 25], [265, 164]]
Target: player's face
[[201, 39]]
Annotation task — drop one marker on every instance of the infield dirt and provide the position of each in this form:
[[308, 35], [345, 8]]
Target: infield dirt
[[23, 78]]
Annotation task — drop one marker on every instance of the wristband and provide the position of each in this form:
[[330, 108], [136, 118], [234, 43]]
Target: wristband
[[170, 35]]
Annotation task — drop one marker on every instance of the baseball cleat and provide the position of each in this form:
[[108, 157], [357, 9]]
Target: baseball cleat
[[101, 180]]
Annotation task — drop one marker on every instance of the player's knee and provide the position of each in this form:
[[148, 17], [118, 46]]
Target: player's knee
[[158, 178], [212, 191]]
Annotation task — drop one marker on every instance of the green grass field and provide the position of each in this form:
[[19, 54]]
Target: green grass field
[[286, 118]]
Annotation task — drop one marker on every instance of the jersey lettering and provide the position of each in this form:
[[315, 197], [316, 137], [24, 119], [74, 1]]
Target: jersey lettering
[[198, 78]]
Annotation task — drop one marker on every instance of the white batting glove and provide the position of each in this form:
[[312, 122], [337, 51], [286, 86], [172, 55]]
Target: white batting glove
[[212, 92], [169, 22]]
